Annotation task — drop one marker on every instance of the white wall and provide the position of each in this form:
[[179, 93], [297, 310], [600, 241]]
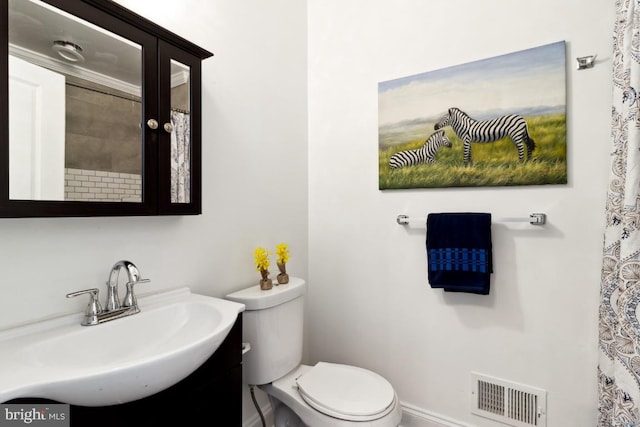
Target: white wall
[[254, 174], [370, 303]]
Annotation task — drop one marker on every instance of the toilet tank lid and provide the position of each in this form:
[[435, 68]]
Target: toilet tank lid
[[255, 298]]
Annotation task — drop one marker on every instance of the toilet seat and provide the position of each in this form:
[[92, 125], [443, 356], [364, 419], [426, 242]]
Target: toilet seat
[[346, 392]]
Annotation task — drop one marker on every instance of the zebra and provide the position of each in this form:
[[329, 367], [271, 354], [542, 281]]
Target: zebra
[[470, 130], [424, 154]]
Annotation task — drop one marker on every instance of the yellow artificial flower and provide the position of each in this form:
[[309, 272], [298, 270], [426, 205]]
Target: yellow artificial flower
[[282, 250], [261, 256]]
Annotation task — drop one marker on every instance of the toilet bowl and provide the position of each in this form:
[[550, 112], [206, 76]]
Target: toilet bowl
[[348, 402], [322, 395]]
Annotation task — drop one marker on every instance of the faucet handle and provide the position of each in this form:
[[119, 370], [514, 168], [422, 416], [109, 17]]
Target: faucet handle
[[93, 308], [130, 297]]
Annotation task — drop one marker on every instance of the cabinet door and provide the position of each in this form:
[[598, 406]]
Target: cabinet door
[[108, 67], [179, 146]]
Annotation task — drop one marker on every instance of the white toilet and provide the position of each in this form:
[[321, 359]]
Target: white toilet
[[326, 394]]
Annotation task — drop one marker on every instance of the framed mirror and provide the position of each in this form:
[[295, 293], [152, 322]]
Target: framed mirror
[[180, 142], [100, 120]]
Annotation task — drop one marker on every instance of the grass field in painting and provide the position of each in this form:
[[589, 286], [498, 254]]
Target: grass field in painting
[[494, 164]]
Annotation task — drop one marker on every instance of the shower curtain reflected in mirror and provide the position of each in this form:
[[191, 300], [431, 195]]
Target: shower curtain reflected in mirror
[[180, 157], [619, 325]]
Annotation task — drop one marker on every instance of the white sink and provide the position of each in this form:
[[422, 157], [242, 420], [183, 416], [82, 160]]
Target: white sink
[[117, 361]]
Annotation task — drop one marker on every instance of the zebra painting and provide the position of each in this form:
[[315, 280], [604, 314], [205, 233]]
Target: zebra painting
[[424, 154], [470, 130]]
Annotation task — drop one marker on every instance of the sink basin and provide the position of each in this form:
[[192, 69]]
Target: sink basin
[[117, 361]]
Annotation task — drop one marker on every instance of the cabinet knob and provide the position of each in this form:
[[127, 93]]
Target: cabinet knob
[[152, 123], [168, 127]]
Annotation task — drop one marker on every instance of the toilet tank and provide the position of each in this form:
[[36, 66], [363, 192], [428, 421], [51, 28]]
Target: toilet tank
[[273, 325]]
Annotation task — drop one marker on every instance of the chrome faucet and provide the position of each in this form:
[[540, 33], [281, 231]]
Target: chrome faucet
[[95, 314], [129, 300]]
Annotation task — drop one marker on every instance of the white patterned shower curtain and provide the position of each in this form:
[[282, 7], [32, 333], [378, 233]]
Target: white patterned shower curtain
[[619, 334], [180, 157]]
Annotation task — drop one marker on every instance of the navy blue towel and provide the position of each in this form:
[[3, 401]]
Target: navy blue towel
[[459, 254]]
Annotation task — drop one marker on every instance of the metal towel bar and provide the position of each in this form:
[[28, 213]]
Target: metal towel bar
[[533, 219]]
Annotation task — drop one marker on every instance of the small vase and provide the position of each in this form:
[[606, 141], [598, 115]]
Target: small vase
[[283, 277], [265, 282]]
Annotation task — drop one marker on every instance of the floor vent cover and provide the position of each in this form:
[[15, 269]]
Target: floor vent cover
[[510, 403]]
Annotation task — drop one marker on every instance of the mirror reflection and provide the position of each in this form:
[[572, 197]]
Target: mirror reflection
[[180, 133], [74, 108]]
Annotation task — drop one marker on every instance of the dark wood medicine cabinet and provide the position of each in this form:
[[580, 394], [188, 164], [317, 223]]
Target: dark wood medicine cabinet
[[100, 111]]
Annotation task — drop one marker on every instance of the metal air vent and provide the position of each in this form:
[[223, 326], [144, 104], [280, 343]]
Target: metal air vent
[[510, 403]]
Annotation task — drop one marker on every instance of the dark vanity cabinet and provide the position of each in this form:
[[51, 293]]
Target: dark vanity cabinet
[[100, 112], [210, 396]]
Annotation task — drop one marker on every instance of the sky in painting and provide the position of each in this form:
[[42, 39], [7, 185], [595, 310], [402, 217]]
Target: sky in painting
[[513, 82]]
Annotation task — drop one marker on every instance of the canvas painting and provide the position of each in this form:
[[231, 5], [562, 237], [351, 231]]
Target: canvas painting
[[499, 121]]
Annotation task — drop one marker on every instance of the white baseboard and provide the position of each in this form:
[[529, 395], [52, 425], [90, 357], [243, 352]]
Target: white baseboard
[[412, 416]]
